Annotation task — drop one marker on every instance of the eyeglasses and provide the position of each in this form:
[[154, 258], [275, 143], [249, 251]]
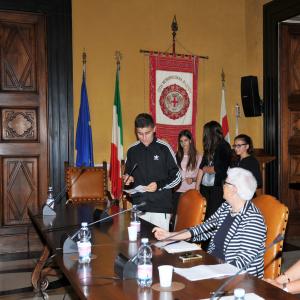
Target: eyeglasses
[[226, 182], [238, 146]]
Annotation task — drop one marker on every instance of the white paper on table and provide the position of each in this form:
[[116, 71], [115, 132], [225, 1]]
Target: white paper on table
[[177, 247], [137, 189], [201, 272], [248, 296]]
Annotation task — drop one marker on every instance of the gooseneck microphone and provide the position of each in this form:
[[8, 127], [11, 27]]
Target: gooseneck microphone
[[70, 246], [131, 172], [47, 208], [219, 292], [126, 268]]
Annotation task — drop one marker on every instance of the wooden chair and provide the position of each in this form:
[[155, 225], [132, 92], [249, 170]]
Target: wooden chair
[[276, 216], [191, 210], [86, 184]]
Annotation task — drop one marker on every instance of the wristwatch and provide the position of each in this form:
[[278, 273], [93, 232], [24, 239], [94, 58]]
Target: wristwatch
[[284, 287]]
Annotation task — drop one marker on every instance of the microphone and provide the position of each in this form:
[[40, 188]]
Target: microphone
[[70, 246], [131, 172], [48, 208], [103, 213], [126, 268], [220, 291]]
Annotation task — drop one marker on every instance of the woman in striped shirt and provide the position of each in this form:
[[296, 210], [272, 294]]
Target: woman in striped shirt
[[237, 231]]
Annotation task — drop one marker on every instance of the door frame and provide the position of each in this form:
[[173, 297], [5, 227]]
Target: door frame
[[58, 15], [274, 12]]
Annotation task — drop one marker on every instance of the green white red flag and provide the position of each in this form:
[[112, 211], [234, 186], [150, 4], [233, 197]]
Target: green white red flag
[[116, 155]]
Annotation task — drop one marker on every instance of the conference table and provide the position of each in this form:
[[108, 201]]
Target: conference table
[[97, 279]]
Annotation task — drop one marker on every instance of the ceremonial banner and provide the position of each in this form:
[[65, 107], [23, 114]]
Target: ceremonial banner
[[173, 95]]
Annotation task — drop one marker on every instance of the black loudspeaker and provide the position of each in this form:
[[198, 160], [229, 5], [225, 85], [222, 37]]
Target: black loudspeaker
[[252, 104]]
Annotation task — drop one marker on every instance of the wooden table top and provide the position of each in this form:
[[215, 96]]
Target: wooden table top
[[110, 239]]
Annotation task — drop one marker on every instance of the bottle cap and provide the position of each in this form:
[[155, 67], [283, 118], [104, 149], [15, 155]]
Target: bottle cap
[[239, 292], [145, 240], [84, 224]]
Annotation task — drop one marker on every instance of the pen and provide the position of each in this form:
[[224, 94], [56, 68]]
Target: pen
[[172, 243]]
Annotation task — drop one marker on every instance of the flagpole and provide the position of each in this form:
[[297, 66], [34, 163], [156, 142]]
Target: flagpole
[[118, 57], [174, 27], [237, 116], [223, 113], [84, 140], [116, 175], [84, 62], [223, 79]]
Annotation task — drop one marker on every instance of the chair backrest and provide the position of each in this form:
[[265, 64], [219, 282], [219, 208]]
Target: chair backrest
[[85, 184], [191, 210], [276, 216]]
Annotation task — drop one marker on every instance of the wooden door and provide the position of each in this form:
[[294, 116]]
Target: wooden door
[[23, 110], [289, 72]]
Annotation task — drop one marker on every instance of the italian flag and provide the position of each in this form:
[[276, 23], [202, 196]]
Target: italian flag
[[116, 155], [223, 117]]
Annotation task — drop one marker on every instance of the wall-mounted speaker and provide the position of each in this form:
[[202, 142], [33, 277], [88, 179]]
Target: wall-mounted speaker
[[252, 104]]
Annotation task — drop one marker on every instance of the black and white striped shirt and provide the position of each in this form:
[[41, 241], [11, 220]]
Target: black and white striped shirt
[[244, 244]]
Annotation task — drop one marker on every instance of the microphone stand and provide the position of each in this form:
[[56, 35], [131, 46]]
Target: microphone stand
[[126, 268], [47, 209], [70, 246], [124, 183], [220, 291]]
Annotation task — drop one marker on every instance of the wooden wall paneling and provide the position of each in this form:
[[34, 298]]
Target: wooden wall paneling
[[274, 13], [60, 108], [24, 128]]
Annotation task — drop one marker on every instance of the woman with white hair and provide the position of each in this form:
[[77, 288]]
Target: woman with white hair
[[237, 231]]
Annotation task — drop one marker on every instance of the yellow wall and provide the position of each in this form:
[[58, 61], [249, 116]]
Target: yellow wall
[[228, 31]]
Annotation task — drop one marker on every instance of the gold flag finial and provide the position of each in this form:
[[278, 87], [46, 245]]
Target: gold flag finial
[[84, 56], [118, 57], [223, 78]]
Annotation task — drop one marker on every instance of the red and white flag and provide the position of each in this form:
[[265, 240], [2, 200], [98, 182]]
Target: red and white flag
[[223, 117], [116, 155]]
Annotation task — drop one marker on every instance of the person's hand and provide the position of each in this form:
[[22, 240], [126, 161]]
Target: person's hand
[[209, 170], [127, 179], [189, 180], [282, 279], [152, 187], [160, 233], [274, 282]]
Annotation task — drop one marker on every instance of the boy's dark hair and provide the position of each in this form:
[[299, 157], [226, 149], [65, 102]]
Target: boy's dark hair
[[143, 120]]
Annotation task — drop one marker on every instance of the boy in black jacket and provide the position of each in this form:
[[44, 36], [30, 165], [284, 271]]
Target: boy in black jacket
[[156, 170]]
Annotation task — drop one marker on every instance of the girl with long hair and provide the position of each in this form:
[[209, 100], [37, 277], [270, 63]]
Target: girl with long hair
[[188, 161], [214, 165]]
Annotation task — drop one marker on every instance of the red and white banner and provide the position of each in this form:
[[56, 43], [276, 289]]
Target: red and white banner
[[173, 95]]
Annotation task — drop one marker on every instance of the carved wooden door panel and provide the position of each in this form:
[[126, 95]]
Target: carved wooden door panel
[[290, 115], [23, 110]]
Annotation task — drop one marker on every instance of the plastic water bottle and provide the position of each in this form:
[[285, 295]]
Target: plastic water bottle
[[239, 294], [135, 221], [144, 268], [50, 198], [84, 244]]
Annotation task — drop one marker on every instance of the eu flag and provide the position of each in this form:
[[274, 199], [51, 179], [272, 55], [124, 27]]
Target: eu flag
[[84, 141]]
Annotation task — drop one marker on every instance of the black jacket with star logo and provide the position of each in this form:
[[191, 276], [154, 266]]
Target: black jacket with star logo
[[155, 163]]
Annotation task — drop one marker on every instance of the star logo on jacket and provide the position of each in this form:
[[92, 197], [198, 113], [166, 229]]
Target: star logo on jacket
[[156, 157]]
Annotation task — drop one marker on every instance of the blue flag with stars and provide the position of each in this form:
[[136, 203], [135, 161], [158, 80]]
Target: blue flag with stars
[[84, 141]]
